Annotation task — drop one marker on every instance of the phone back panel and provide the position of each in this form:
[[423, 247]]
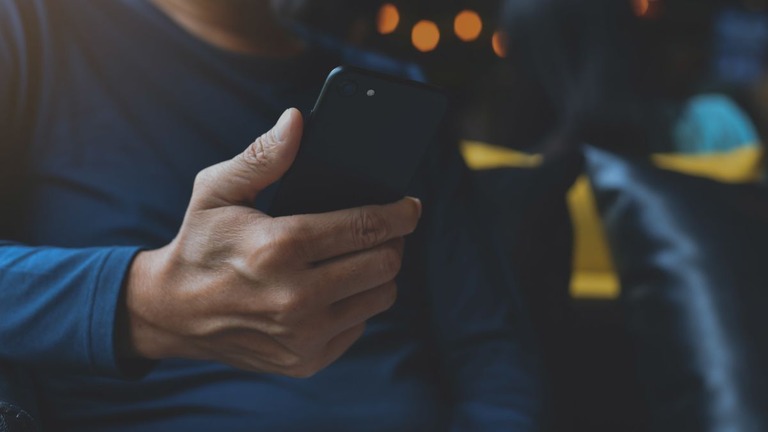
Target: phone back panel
[[363, 143]]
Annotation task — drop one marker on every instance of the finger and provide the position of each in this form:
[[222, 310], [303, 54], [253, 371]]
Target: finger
[[239, 180], [292, 365], [355, 310], [330, 235], [253, 349], [340, 345], [352, 274]]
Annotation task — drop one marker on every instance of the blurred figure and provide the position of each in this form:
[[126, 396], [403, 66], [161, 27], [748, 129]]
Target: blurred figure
[[608, 77], [587, 61], [605, 73]]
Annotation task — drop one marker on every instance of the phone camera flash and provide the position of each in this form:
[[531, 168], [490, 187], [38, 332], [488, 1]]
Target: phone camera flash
[[371, 93]]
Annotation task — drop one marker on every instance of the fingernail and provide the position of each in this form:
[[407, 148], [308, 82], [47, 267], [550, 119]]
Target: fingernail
[[283, 125], [418, 205]]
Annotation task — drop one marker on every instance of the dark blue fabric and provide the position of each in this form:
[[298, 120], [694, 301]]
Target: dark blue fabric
[[107, 112], [535, 227], [691, 256]]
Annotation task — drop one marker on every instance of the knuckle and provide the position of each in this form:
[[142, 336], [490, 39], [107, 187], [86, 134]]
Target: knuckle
[[288, 304], [204, 178], [259, 153], [274, 248], [279, 328], [297, 338], [306, 339], [282, 244], [369, 228], [260, 258], [207, 329], [279, 331], [290, 239], [254, 262], [296, 236]]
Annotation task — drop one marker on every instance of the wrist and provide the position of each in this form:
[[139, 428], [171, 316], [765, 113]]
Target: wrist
[[137, 335]]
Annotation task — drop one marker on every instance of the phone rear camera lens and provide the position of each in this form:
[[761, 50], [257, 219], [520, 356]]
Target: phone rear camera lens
[[347, 88]]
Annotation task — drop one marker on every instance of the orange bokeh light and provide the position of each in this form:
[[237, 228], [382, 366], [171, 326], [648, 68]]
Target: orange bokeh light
[[499, 44], [388, 19], [425, 36], [468, 25], [641, 7]]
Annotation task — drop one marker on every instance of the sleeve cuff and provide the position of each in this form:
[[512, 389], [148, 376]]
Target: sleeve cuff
[[104, 304]]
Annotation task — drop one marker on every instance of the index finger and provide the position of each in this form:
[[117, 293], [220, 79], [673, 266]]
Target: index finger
[[330, 235]]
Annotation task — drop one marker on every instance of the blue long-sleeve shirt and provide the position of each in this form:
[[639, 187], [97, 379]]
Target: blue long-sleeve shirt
[[108, 110]]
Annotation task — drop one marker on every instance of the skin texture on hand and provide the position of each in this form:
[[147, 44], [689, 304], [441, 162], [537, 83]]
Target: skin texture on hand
[[277, 295]]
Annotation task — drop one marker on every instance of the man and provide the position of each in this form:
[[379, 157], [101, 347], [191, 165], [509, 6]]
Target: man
[[139, 308]]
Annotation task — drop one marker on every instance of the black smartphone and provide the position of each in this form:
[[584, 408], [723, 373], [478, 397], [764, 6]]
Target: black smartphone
[[363, 143]]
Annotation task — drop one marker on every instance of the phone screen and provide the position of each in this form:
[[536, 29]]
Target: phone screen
[[363, 143]]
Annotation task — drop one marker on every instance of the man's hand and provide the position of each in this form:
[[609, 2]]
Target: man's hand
[[285, 295]]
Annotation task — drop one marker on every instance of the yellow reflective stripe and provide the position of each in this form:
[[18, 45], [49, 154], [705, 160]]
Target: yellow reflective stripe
[[593, 270], [743, 165], [595, 285], [594, 276], [482, 156]]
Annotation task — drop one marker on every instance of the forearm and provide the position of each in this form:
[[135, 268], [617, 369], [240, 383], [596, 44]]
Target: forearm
[[59, 306]]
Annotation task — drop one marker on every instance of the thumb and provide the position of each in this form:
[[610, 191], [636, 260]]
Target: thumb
[[238, 181]]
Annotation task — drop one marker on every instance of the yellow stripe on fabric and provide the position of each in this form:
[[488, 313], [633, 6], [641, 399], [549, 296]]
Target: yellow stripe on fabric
[[743, 165], [481, 156], [595, 285], [594, 276]]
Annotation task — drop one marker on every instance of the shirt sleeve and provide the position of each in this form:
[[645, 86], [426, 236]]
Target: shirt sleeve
[[57, 306], [480, 326]]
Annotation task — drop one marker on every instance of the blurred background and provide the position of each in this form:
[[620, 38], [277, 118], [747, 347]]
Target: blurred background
[[688, 46], [681, 82]]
